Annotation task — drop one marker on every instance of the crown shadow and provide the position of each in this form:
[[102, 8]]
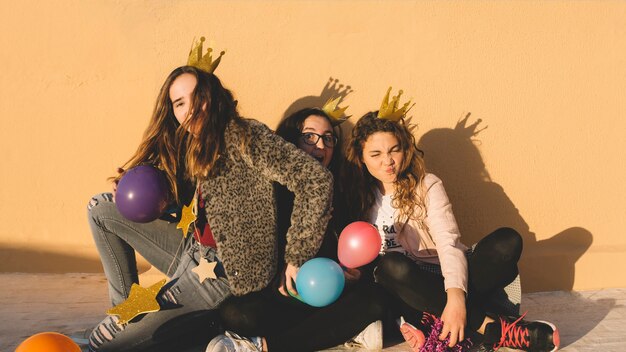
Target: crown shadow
[[482, 206], [331, 90]]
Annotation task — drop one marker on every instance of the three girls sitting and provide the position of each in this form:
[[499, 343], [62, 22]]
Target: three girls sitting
[[228, 166]]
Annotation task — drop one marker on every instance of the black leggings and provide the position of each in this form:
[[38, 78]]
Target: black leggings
[[492, 266], [289, 325]]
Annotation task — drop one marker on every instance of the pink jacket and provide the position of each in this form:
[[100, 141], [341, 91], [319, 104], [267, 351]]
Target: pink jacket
[[443, 245]]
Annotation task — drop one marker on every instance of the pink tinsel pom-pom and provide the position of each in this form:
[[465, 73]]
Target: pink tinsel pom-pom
[[433, 344]]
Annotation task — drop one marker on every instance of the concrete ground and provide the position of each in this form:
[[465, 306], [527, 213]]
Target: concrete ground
[[71, 303]]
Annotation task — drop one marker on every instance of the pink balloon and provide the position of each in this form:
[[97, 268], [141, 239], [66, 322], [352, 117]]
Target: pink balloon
[[359, 244]]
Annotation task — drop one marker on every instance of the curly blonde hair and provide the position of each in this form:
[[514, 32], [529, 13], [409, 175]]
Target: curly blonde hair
[[409, 197]]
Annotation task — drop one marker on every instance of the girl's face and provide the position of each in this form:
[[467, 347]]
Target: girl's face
[[181, 91], [382, 157], [321, 148]]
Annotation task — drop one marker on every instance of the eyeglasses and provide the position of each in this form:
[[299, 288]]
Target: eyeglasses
[[310, 138]]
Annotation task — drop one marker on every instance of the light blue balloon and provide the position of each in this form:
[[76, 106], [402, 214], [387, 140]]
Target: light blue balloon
[[320, 282]]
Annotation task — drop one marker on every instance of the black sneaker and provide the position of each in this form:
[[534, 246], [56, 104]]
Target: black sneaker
[[533, 336]]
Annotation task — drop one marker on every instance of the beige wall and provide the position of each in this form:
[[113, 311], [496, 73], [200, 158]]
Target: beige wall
[[79, 79]]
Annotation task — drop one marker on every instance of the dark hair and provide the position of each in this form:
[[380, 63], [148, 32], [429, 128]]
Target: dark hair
[[290, 128]]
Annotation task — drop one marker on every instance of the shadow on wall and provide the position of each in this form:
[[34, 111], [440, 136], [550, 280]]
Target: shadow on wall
[[481, 206], [331, 90], [22, 260], [26, 260]]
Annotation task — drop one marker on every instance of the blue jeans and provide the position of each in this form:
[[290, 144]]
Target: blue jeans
[[117, 239], [187, 306]]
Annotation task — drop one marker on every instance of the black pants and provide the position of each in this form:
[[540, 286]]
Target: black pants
[[290, 325], [492, 266]]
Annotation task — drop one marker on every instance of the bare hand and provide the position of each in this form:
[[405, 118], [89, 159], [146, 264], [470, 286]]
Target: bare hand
[[291, 271], [351, 275], [454, 317]]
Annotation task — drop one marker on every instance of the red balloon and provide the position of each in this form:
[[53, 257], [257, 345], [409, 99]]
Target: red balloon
[[48, 342], [359, 244]]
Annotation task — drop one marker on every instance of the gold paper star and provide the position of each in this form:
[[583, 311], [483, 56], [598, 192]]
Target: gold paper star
[[205, 270], [187, 217], [141, 300]]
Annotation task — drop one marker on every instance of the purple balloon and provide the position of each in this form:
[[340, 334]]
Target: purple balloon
[[142, 194]]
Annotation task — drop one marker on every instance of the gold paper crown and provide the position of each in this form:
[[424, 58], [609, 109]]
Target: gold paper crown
[[334, 112], [389, 109], [206, 62]]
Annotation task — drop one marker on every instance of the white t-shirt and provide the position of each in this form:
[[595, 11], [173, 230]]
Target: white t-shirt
[[383, 217]]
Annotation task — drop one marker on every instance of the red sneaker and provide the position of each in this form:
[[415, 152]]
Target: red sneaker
[[533, 336]]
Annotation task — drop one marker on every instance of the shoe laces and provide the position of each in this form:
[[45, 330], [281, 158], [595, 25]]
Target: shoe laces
[[513, 335]]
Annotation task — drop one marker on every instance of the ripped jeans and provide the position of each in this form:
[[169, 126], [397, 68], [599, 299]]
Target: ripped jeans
[[117, 239], [187, 316]]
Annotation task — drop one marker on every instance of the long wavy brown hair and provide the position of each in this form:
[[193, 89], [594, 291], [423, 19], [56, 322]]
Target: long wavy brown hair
[[359, 185], [169, 146]]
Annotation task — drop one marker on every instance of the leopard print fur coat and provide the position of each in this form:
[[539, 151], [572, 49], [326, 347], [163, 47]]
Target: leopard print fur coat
[[241, 206]]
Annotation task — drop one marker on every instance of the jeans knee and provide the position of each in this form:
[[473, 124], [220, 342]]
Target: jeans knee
[[99, 199], [100, 205]]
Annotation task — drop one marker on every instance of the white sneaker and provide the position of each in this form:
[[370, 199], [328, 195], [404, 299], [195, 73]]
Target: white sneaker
[[371, 338], [231, 342]]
